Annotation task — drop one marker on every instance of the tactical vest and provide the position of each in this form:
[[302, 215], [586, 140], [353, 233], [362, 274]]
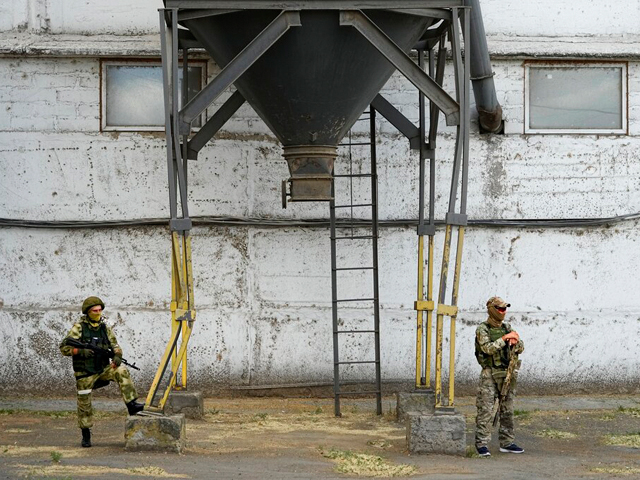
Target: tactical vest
[[500, 359], [97, 362]]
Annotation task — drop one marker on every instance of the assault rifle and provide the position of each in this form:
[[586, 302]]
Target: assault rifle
[[506, 384], [108, 352]]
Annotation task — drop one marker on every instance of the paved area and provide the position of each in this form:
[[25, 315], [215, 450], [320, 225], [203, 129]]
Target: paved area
[[564, 437]]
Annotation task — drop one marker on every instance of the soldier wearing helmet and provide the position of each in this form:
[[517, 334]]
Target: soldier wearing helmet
[[93, 370], [494, 338]]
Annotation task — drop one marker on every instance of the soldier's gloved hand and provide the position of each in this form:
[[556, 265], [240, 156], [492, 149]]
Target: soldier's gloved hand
[[83, 352], [117, 360]]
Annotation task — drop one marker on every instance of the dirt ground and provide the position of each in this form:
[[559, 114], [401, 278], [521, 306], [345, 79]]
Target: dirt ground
[[257, 438]]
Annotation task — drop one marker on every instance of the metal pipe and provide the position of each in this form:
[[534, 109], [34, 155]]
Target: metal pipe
[[484, 90]]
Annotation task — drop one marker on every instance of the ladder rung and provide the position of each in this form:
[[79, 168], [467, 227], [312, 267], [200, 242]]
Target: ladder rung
[[354, 144], [356, 205], [355, 362], [369, 392], [361, 237], [355, 268], [356, 300], [353, 175], [357, 331]]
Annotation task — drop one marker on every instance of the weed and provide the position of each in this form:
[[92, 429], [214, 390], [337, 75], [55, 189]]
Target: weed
[[631, 440], [634, 412], [258, 417], [615, 470], [379, 443], [212, 411], [608, 416], [7, 411], [472, 453], [56, 457], [361, 464], [550, 433], [318, 411]]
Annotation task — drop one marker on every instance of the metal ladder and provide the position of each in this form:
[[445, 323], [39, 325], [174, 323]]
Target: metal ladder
[[338, 226]]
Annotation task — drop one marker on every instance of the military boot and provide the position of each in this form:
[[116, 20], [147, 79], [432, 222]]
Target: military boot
[[86, 437], [134, 407]]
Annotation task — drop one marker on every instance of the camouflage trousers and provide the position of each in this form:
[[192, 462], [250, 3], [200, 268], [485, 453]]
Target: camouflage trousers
[[86, 384], [488, 391]]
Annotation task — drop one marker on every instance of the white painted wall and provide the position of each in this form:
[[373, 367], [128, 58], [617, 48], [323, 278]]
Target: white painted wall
[[263, 295]]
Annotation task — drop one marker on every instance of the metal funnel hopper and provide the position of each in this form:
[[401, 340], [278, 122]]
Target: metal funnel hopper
[[312, 85]]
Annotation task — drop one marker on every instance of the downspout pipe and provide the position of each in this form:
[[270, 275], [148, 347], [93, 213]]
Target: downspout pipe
[[484, 90]]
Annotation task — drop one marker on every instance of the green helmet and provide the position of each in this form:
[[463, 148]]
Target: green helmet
[[91, 302]]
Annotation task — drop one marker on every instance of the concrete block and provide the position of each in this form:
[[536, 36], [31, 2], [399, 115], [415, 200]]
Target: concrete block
[[421, 403], [189, 404], [436, 434], [155, 433]]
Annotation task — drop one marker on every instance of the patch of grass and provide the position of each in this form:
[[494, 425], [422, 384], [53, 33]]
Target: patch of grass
[[318, 411], [361, 464], [211, 411], [148, 471], [631, 440], [260, 417], [616, 470], [634, 412], [472, 453], [608, 416], [7, 411], [56, 457], [551, 433], [382, 443]]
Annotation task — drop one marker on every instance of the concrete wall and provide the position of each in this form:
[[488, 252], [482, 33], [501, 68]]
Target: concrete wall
[[263, 294]]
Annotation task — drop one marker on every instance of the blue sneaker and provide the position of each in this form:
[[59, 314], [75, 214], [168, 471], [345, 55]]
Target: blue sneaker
[[513, 448], [483, 451]]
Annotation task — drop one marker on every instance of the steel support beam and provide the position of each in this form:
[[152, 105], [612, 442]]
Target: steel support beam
[[214, 124], [403, 63], [236, 67], [398, 120]]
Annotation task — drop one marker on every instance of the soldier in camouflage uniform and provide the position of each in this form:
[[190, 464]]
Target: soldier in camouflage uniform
[[93, 370], [494, 338]]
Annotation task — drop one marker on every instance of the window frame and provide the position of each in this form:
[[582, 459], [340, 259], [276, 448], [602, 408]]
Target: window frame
[[140, 62], [557, 64]]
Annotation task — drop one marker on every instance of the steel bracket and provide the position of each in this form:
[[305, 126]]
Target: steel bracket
[[180, 224], [424, 305], [403, 63], [427, 229], [447, 310], [456, 219]]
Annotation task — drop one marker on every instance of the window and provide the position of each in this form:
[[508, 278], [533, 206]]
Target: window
[[576, 98], [133, 98]]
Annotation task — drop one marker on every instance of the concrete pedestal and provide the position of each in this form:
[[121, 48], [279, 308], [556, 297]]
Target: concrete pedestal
[[155, 433], [189, 404], [420, 402], [437, 434]]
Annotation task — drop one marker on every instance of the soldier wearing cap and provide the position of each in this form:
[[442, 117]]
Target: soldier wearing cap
[[93, 370], [494, 338]]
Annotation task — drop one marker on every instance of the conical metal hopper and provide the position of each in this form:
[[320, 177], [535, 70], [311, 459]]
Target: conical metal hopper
[[312, 85]]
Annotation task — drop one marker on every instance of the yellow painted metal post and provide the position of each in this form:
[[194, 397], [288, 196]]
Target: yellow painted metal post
[[439, 321], [438, 390], [420, 316], [454, 302], [429, 312]]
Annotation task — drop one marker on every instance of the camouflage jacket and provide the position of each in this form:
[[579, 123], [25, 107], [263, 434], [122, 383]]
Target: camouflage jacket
[[76, 333], [490, 347]]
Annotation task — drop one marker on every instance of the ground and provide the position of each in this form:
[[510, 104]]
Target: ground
[[257, 438]]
